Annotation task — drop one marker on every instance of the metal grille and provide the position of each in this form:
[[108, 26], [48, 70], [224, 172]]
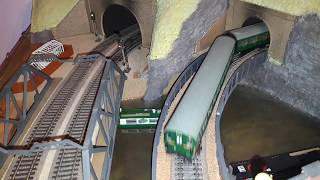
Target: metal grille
[[41, 61], [53, 46]]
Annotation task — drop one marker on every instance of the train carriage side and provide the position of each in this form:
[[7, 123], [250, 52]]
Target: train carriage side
[[138, 118], [187, 124], [250, 37]]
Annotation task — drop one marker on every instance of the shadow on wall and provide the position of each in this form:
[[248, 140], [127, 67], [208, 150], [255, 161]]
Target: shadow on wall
[[251, 21], [296, 82]]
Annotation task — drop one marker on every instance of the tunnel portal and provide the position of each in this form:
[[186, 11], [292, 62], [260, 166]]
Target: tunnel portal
[[117, 18]]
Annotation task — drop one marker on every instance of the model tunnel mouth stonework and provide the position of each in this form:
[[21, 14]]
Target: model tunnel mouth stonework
[[117, 18]]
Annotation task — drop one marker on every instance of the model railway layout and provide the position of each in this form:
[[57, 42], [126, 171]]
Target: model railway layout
[[179, 136], [238, 70], [84, 110], [183, 132], [55, 146]]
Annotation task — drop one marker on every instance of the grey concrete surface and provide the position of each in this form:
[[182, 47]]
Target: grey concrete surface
[[297, 81], [75, 23], [200, 22]]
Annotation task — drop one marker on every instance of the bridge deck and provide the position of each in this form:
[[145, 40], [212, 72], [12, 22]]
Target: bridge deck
[[72, 136], [67, 113]]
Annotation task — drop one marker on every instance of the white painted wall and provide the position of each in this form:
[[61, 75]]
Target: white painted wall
[[15, 17]]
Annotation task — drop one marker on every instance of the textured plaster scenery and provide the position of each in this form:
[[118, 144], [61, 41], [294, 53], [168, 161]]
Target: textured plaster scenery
[[169, 20], [161, 70], [296, 82], [57, 9], [292, 7]]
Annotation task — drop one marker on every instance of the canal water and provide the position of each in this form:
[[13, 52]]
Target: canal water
[[133, 149], [132, 156], [252, 124], [257, 124]]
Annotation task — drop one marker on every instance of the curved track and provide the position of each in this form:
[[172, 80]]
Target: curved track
[[238, 70]]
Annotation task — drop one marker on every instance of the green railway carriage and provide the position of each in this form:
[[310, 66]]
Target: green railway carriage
[[183, 132], [138, 118], [250, 37]]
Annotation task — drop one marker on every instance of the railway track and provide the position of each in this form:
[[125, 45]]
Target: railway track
[[67, 162], [185, 169], [25, 166]]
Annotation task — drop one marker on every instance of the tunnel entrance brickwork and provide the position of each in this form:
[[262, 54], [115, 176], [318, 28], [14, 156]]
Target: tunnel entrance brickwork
[[292, 72], [143, 10], [279, 24]]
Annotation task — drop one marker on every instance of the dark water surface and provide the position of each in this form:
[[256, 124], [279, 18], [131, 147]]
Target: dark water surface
[[257, 124], [133, 151], [132, 156]]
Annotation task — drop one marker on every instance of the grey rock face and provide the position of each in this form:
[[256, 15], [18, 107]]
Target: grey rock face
[[160, 71], [42, 37], [297, 81]]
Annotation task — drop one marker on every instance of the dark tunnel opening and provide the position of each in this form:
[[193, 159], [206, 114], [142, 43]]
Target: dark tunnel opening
[[251, 21], [117, 18], [255, 20]]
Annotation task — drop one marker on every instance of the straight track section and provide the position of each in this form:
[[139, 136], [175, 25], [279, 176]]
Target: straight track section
[[25, 166], [68, 163]]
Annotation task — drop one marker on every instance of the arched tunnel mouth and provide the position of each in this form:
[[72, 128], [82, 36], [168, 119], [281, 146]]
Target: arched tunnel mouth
[[117, 18], [255, 20], [251, 20]]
